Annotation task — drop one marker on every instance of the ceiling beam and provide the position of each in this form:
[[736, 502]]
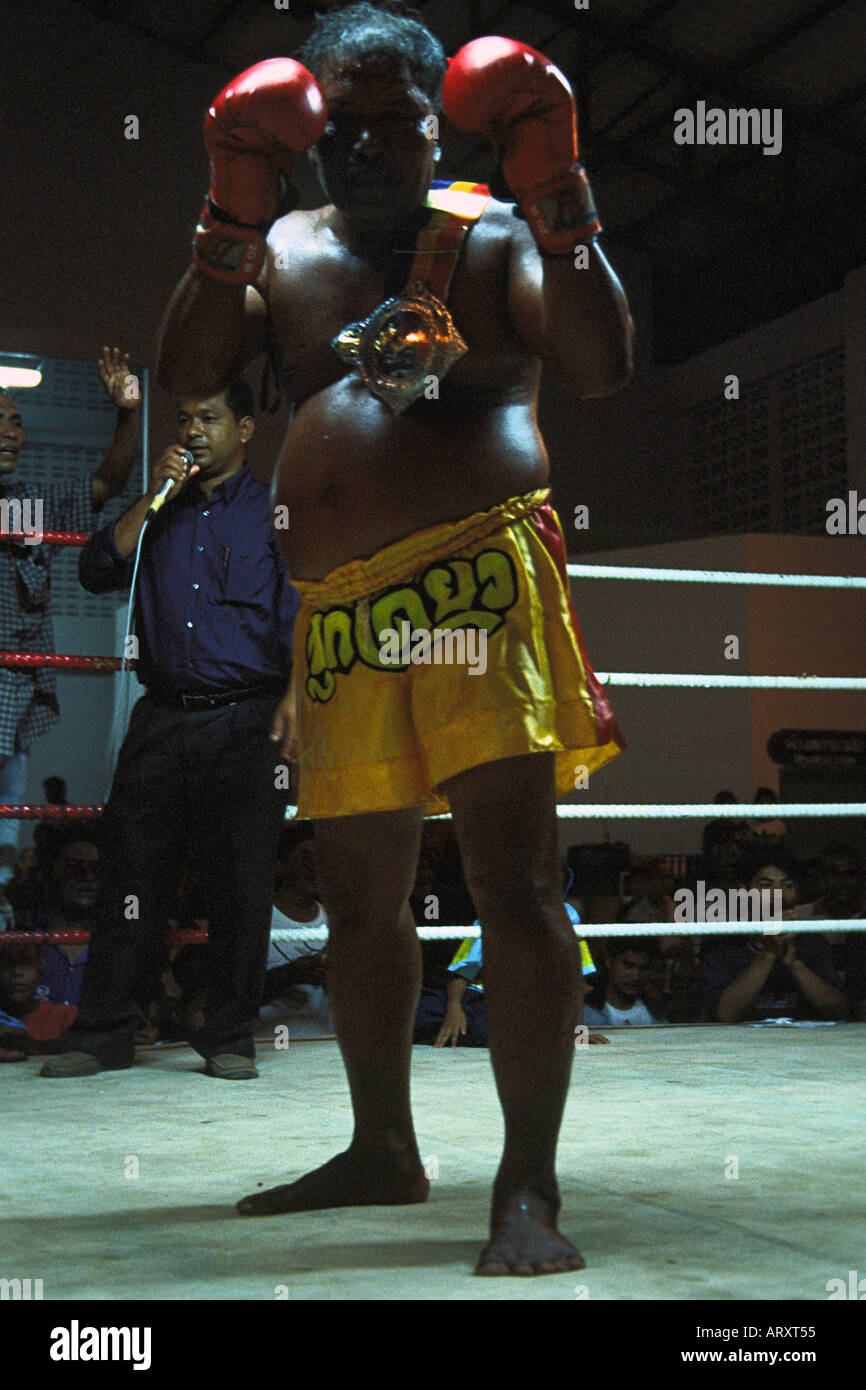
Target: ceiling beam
[[643, 22], [722, 82], [626, 111], [710, 181], [773, 42], [213, 26], [848, 98], [120, 18]]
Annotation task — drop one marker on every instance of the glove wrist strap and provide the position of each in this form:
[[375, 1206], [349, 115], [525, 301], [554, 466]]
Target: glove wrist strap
[[229, 251], [561, 213]]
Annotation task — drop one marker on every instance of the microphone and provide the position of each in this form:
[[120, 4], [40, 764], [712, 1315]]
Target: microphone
[[167, 486]]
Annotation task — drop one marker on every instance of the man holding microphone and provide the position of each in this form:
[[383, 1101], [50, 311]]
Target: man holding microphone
[[199, 769]]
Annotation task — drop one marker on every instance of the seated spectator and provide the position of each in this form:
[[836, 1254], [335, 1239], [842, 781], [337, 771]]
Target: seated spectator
[[296, 978], [772, 870], [723, 843], [27, 1024], [749, 977], [673, 987], [43, 837], [296, 905], [458, 1014], [843, 895], [71, 887], [649, 899], [843, 887], [423, 899], [55, 791], [453, 901], [178, 1011], [439, 898], [767, 831], [28, 886], [811, 877], [616, 1001], [25, 887], [167, 1013]]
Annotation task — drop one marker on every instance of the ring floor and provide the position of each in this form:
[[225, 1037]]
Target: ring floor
[[695, 1163]]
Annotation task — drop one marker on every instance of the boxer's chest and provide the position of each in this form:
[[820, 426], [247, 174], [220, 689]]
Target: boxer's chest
[[317, 290]]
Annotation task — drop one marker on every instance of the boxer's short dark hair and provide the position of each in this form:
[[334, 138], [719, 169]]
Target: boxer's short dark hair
[[369, 31], [239, 399]]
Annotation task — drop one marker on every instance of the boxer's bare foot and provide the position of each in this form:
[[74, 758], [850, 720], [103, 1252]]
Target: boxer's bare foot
[[524, 1238], [378, 1175]]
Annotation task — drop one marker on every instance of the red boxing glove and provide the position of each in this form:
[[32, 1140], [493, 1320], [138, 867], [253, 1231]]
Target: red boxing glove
[[256, 123], [520, 101]]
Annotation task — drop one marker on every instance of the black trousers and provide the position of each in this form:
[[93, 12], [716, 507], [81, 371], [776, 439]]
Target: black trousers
[[205, 782]]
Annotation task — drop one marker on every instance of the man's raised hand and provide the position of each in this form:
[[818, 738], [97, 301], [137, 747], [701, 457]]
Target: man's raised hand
[[122, 387]]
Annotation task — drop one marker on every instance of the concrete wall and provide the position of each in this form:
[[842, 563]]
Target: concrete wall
[[76, 746], [115, 218], [684, 745], [820, 632], [97, 238]]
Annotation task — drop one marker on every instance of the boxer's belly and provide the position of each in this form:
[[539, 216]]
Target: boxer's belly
[[356, 477]]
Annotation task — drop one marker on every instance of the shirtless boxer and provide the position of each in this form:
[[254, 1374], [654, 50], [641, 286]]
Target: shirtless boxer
[[431, 494]]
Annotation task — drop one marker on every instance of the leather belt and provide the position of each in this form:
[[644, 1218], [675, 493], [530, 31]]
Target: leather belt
[[217, 700]]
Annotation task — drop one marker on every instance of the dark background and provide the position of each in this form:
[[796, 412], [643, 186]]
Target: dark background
[[709, 241]]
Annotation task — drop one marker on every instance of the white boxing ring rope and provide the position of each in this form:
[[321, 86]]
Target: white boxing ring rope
[[678, 576], [704, 810], [701, 810], [737, 810], [709, 682], [770, 926]]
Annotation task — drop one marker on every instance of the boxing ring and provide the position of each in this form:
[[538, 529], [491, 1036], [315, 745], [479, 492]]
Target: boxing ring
[[696, 1163]]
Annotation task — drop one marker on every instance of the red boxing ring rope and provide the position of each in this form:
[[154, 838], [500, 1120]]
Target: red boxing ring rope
[[38, 660], [48, 537], [175, 936]]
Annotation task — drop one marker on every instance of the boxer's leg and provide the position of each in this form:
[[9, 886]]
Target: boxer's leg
[[505, 821], [365, 869]]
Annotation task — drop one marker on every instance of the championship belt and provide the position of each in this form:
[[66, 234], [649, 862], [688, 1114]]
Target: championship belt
[[411, 337]]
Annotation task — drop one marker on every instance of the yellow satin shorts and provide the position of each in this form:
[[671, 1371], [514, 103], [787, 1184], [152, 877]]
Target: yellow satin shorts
[[450, 648]]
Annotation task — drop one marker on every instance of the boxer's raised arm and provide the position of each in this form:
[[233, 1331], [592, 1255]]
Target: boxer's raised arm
[[216, 320], [209, 334], [564, 299], [573, 314]]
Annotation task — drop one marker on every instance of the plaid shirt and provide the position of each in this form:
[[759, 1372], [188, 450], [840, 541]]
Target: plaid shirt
[[28, 699]]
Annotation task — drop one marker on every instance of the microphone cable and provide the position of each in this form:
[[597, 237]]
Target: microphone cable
[[120, 718]]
